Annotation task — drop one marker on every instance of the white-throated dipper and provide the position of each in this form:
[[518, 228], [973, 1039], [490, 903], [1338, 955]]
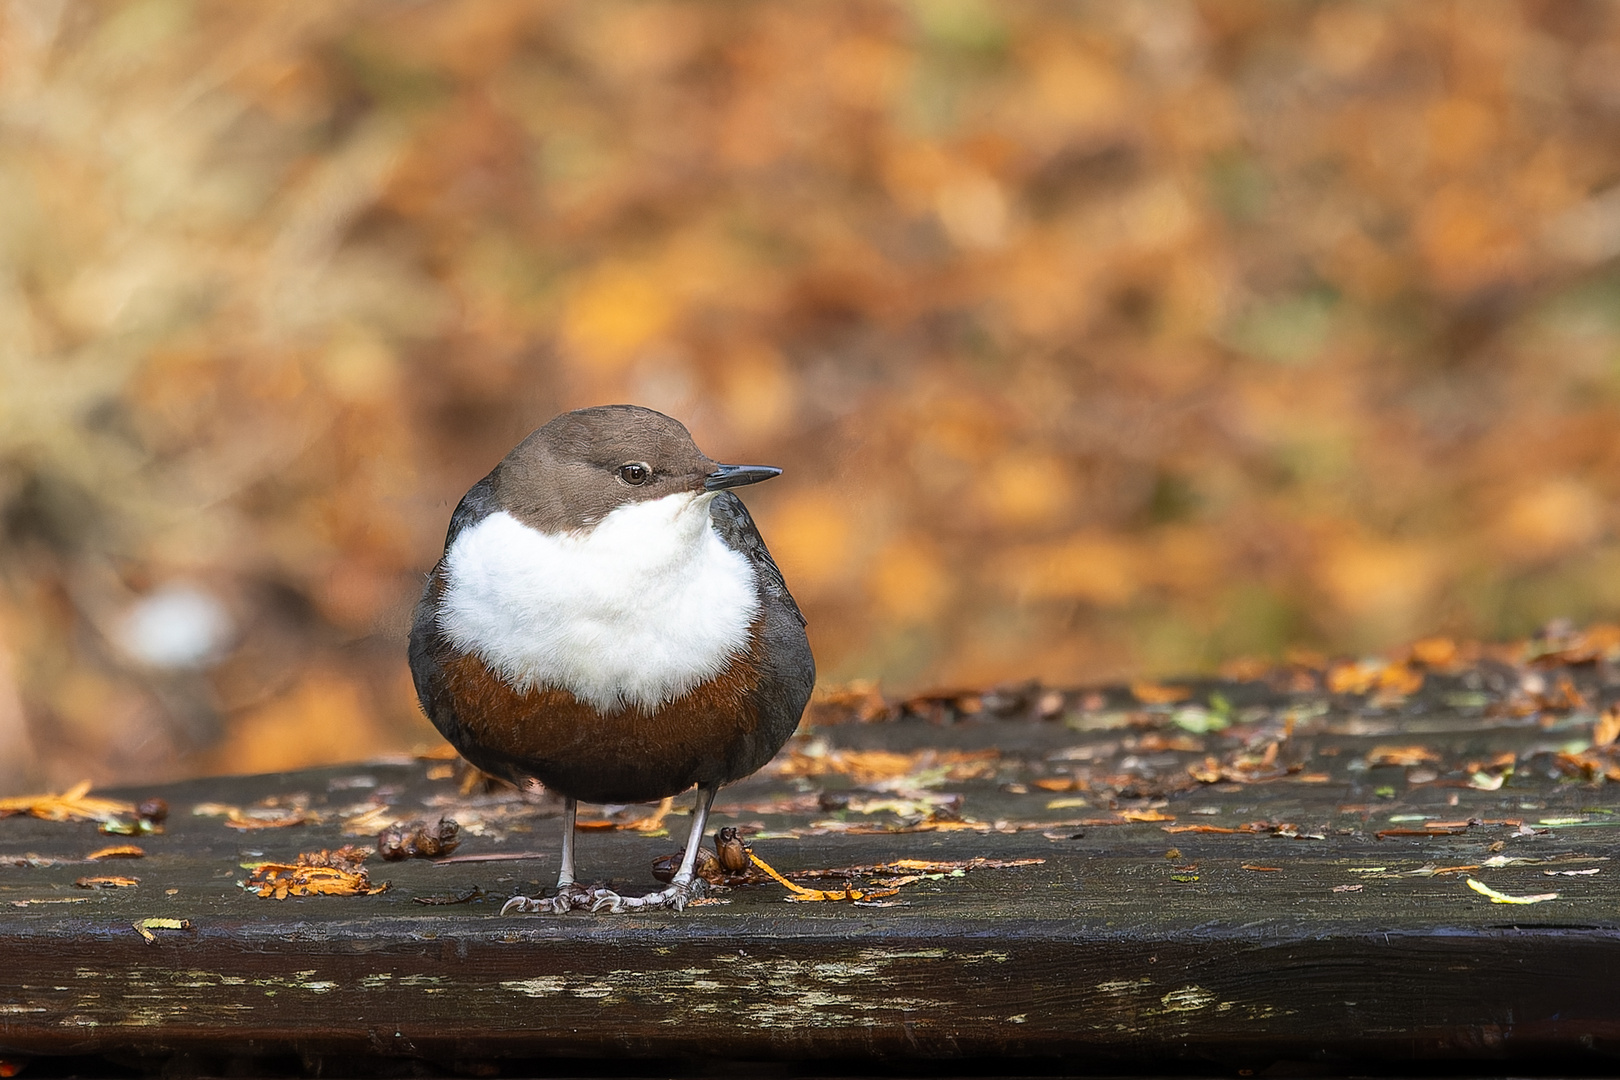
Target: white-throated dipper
[[607, 621]]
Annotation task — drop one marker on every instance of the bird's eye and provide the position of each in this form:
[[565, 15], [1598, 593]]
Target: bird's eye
[[636, 472]]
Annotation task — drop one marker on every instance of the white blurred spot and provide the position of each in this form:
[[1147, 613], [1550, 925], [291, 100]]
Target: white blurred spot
[[178, 626]]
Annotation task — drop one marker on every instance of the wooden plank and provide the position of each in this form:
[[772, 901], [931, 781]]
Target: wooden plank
[[1297, 935]]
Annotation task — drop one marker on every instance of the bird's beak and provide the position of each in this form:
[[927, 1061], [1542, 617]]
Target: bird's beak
[[730, 476]]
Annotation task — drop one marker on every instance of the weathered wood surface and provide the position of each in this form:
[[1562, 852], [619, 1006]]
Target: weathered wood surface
[[1130, 947]]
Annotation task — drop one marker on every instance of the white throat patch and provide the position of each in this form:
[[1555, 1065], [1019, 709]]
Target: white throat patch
[[634, 611]]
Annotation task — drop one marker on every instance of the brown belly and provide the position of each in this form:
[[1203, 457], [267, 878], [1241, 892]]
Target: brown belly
[[706, 736]]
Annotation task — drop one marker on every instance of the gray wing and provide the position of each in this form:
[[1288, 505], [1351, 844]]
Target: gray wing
[[791, 672], [736, 528]]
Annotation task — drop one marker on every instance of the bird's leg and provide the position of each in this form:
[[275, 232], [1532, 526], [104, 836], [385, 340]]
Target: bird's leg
[[684, 887], [569, 895], [565, 874]]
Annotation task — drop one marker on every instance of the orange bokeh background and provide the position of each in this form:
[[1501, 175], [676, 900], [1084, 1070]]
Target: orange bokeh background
[[1096, 339]]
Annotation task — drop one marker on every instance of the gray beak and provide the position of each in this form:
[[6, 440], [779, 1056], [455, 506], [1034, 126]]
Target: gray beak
[[730, 476]]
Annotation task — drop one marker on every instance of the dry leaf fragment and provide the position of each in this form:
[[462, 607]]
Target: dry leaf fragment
[[1503, 898], [144, 927], [271, 814], [74, 804], [800, 893], [419, 840], [266, 819], [919, 866], [860, 700], [322, 873], [107, 881], [1589, 767], [1399, 681], [1352, 678], [1392, 681], [1607, 728], [653, 822], [465, 897], [1153, 742], [923, 768], [1401, 755], [368, 819], [1435, 829], [1245, 669], [117, 851], [1434, 652], [1151, 693]]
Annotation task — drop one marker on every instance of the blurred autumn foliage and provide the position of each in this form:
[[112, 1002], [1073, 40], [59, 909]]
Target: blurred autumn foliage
[[1105, 338]]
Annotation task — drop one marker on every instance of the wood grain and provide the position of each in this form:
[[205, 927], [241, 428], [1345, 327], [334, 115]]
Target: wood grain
[[1130, 947]]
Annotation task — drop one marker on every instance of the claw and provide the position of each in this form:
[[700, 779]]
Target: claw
[[533, 905], [566, 900], [674, 898], [602, 899]]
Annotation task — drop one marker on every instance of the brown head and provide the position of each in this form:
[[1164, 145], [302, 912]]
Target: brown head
[[582, 465]]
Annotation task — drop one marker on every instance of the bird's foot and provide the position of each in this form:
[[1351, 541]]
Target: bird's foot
[[674, 898], [568, 898]]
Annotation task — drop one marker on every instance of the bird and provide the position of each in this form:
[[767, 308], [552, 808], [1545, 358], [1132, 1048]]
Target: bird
[[607, 622]]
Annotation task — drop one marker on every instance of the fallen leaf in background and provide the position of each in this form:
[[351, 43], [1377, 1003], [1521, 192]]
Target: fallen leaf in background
[[887, 769], [1158, 694], [1240, 486], [274, 816], [74, 804], [1607, 727], [1401, 755]]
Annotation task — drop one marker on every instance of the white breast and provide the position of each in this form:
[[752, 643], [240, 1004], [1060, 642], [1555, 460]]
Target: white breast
[[633, 612]]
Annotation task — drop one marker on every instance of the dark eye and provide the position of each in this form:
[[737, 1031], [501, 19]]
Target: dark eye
[[636, 472]]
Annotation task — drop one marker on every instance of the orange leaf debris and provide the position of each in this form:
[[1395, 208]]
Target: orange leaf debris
[[1607, 728], [800, 893], [74, 804], [322, 873], [1151, 693], [117, 851], [1401, 755]]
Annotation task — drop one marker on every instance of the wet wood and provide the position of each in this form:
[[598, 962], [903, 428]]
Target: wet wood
[[1312, 909]]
